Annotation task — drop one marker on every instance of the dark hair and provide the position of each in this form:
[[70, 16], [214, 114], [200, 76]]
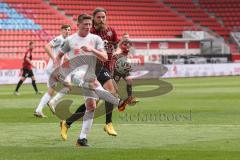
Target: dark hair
[[65, 26], [83, 16], [96, 10], [30, 43]]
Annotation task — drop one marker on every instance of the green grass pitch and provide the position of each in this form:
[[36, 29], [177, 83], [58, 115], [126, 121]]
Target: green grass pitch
[[198, 120]]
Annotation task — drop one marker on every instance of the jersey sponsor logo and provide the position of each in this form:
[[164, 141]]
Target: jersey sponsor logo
[[76, 51], [109, 33], [109, 47]]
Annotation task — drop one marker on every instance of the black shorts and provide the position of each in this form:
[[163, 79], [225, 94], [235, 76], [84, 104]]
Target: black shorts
[[27, 73], [103, 75]]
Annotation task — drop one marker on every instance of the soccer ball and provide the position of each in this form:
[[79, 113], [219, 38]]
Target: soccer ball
[[122, 66]]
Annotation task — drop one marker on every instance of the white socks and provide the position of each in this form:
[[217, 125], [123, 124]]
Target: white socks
[[59, 95], [87, 124], [46, 97]]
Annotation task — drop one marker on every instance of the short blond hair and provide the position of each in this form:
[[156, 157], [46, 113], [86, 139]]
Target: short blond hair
[[83, 16]]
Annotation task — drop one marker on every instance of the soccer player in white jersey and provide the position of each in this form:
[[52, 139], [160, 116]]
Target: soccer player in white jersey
[[80, 44], [52, 49]]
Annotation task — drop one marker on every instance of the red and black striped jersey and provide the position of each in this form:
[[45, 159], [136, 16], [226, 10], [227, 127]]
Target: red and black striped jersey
[[26, 64], [109, 36]]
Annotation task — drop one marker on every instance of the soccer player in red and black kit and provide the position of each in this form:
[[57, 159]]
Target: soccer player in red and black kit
[[122, 54], [27, 69], [103, 70]]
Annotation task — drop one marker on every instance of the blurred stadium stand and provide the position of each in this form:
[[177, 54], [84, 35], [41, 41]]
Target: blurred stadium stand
[[142, 19]]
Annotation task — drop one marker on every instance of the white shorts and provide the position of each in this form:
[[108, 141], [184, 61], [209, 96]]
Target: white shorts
[[88, 93]]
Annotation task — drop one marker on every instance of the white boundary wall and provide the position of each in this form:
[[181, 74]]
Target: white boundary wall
[[13, 76], [186, 70], [201, 70]]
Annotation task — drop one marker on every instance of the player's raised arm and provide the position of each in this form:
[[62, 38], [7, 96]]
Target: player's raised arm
[[100, 53]]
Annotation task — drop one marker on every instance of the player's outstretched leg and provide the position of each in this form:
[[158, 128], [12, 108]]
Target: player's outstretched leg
[[87, 122], [53, 102], [38, 112], [18, 86], [109, 126], [65, 125], [123, 103]]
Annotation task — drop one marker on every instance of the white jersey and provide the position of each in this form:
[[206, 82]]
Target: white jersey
[[72, 45], [56, 45]]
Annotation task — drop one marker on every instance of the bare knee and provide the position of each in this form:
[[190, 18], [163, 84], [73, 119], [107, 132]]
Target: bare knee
[[22, 78], [90, 104], [51, 91], [109, 86], [33, 78], [129, 81]]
